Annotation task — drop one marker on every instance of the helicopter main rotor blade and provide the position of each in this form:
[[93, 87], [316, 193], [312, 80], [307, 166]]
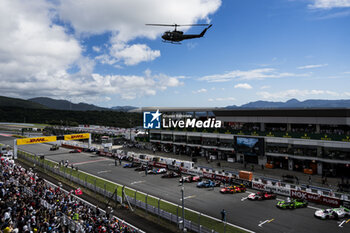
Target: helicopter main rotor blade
[[194, 25], [175, 25], [152, 24]]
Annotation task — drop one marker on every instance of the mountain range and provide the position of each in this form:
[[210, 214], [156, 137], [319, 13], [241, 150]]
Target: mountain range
[[294, 103], [49, 103]]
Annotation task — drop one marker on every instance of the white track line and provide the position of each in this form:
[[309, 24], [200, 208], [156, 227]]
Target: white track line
[[260, 225], [106, 171], [90, 161], [188, 197], [138, 182], [266, 221], [340, 225], [311, 207]]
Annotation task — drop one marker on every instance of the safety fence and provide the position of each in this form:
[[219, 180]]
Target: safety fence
[[194, 221]]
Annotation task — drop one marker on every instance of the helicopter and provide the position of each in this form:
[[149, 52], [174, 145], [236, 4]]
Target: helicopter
[[176, 36]]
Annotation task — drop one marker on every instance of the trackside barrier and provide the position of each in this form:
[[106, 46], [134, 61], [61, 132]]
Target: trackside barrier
[[190, 225]]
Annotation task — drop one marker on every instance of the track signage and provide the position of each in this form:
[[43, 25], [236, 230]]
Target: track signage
[[315, 198], [25, 141], [77, 136]]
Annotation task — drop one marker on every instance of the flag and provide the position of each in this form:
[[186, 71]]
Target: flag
[[78, 192]]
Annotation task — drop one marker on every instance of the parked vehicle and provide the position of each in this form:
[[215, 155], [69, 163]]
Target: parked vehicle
[[157, 171], [130, 165], [292, 204], [190, 179], [336, 213], [262, 196], [208, 184], [142, 167], [233, 189], [75, 151], [171, 174], [54, 147]]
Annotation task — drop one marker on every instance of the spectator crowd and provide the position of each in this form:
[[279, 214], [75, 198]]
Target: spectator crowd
[[29, 204]]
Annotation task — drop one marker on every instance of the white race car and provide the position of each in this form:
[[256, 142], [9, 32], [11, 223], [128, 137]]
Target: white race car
[[335, 213]]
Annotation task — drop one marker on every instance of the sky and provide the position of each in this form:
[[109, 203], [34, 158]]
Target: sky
[[101, 52]]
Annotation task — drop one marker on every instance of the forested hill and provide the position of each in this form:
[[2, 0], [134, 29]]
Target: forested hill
[[74, 118], [21, 103]]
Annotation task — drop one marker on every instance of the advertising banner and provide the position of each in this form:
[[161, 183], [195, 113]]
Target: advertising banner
[[313, 197], [25, 141], [258, 186], [277, 189], [77, 136]]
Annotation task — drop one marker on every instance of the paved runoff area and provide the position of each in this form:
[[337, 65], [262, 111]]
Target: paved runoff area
[[258, 216]]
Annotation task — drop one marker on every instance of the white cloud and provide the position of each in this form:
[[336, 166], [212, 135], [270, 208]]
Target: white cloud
[[311, 66], [243, 86], [248, 75], [265, 87], [105, 59], [40, 58], [133, 54], [203, 90], [34, 52], [295, 93], [131, 87], [96, 49], [30, 45], [126, 21], [328, 4], [127, 18], [222, 99]]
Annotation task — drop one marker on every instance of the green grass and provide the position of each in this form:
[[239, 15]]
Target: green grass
[[110, 187]]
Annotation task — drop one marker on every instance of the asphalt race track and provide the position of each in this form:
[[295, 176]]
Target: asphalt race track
[[259, 216]]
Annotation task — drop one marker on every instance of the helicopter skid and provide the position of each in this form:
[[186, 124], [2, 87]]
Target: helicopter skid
[[170, 42]]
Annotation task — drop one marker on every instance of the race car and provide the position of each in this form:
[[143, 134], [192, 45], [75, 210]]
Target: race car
[[157, 171], [228, 189], [292, 204], [143, 167], [262, 196], [75, 151], [233, 189], [171, 174], [208, 184], [129, 165], [54, 147], [190, 179], [335, 213]]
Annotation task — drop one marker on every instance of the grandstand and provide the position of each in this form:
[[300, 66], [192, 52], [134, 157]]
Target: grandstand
[[29, 203]]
